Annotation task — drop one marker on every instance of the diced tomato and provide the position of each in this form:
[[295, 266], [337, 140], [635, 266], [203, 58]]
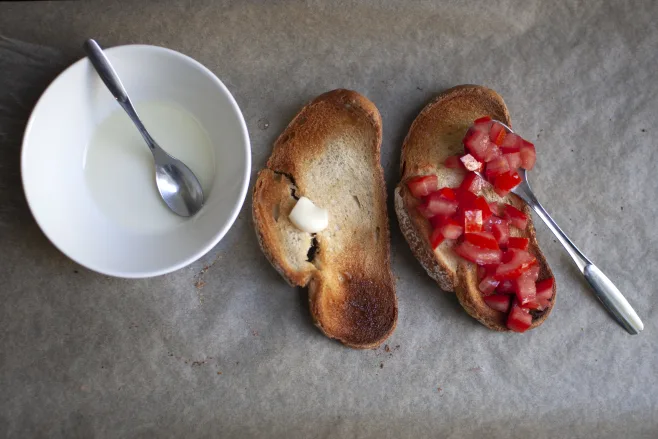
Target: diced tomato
[[422, 186], [526, 291], [482, 120], [477, 142], [506, 286], [497, 208], [533, 272], [481, 204], [500, 232], [479, 255], [515, 262], [451, 229], [519, 319], [517, 217], [544, 293], [528, 155], [496, 167], [466, 198], [472, 221], [447, 193], [482, 239], [545, 288], [436, 204], [453, 162], [520, 243], [511, 143], [488, 285], [497, 133], [493, 219], [499, 302], [436, 238], [471, 163], [513, 159], [504, 183], [472, 183], [437, 221]]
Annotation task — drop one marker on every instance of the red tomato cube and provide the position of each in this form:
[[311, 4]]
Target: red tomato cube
[[505, 182], [511, 143], [482, 239], [472, 183], [479, 255], [515, 263], [516, 217], [471, 163], [528, 155], [488, 285], [545, 288], [499, 302], [526, 290], [423, 186], [447, 193], [520, 243], [506, 286], [480, 203], [477, 143], [472, 221], [436, 204], [451, 229], [500, 232], [497, 133], [513, 159], [496, 167], [519, 319]]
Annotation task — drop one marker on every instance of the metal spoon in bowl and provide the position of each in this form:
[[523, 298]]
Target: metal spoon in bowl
[[177, 184], [603, 287]]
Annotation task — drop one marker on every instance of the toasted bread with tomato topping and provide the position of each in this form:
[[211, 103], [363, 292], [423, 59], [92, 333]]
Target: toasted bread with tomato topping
[[330, 153], [436, 134]]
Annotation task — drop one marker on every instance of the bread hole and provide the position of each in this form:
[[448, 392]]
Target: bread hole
[[404, 166], [276, 211], [377, 234], [358, 203], [313, 250]]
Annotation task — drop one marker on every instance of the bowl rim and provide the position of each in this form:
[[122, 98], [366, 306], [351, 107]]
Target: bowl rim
[[217, 237]]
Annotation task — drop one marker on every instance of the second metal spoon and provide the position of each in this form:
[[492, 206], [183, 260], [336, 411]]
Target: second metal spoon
[[177, 184]]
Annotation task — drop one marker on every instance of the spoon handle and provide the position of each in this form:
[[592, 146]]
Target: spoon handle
[[111, 79], [609, 295]]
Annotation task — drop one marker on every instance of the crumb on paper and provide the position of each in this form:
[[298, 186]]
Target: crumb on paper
[[381, 365], [387, 349]]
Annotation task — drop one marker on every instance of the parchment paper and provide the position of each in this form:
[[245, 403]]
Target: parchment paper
[[224, 348]]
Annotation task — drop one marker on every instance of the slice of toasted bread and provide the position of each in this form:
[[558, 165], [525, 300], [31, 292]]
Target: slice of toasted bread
[[330, 153], [436, 134]]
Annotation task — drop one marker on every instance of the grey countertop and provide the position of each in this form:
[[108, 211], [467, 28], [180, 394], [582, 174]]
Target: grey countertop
[[224, 348]]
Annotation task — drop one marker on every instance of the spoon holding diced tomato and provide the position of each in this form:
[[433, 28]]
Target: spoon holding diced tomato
[[505, 161]]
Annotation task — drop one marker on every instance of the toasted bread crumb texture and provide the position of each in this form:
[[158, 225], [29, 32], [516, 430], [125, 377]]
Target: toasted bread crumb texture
[[436, 134], [330, 153]]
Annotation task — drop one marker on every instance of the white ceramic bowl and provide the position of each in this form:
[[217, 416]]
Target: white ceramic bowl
[[55, 150]]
